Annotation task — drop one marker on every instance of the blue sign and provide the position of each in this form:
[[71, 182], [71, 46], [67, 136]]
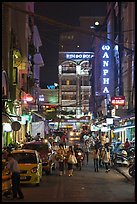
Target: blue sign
[[79, 55], [105, 69], [51, 86]]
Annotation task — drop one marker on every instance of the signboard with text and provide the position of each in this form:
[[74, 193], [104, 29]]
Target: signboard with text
[[106, 68], [79, 55], [118, 100]]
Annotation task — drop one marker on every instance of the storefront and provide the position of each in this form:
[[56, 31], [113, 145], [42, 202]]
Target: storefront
[[6, 130]]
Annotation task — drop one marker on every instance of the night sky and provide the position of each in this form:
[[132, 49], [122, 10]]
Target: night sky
[[64, 12]]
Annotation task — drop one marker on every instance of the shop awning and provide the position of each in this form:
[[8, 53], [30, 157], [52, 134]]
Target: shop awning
[[123, 128]]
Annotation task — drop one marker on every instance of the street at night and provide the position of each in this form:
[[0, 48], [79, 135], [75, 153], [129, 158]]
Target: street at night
[[84, 186], [68, 98]]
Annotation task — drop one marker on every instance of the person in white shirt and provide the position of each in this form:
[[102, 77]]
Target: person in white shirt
[[13, 166], [86, 149]]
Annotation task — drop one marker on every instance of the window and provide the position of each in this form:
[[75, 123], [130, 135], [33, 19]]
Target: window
[[25, 158]]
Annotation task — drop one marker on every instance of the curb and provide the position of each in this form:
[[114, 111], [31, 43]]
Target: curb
[[124, 174]]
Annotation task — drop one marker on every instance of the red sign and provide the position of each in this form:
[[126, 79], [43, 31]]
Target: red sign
[[28, 98], [118, 100]]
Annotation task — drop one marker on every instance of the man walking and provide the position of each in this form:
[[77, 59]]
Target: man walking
[[13, 166]]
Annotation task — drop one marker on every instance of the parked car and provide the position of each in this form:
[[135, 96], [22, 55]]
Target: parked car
[[44, 149], [30, 166]]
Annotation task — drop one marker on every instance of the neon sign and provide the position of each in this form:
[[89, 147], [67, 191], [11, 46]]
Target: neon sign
[[51, 86], [79, 55], [105, 68]]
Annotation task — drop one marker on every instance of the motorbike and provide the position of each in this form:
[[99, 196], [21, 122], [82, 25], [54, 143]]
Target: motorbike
[[80, 157], [120, 160], [131, 170]]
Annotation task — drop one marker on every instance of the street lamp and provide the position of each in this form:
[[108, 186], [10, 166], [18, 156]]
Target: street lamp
[[58, 112]]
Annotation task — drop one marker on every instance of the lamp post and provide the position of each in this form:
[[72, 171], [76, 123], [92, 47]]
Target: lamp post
[[58, 112]]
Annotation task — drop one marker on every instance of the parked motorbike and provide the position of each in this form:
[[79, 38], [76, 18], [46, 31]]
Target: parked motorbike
[[120, 159], [131, 170]]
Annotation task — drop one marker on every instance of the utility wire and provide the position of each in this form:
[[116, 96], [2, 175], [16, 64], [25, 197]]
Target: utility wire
[[65, 26]]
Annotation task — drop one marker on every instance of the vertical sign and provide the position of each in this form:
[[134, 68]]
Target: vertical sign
[[105, 57]]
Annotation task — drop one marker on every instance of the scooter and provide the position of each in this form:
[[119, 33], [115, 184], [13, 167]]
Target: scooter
[[120, 160], [131, 170]]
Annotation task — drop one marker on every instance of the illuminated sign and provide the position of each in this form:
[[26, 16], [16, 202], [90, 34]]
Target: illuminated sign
[[28, 98], [105, 68], [41, 97], [79, 55], [51, 86], [118, 100]]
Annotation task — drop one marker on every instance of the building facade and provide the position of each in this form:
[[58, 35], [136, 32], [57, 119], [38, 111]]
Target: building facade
[[18, 50], [75, 69]]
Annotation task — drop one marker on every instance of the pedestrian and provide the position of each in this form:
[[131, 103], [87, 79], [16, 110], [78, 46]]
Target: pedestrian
[[127, 144], [70, 165], [64, 140], [86, 149], [60, 156], [106, 158], [13, 166], [96, 158], [37, 137], [107, 141], [57, 140]]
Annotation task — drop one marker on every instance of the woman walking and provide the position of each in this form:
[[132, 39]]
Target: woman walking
[[96, 158], [106, 158], [60, 158], [69, 163]]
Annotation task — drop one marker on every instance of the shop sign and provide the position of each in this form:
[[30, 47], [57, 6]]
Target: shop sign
[[79, 55], [15, 126], [106, 65], [118, 100]]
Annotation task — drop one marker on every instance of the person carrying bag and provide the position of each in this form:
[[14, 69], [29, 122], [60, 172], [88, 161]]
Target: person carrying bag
[[71, 159]]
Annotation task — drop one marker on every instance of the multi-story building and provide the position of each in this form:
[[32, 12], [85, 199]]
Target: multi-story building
[[18, 55], [74, 83], [74, 67], [113, 69], [121, 35]]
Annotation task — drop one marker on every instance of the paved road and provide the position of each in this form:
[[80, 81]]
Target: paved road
[[84, 186]]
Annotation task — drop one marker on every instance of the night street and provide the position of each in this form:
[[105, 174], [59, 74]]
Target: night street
[[68, 94], [84, 186]]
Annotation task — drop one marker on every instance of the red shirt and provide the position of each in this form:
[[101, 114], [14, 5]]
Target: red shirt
[[63, 138]]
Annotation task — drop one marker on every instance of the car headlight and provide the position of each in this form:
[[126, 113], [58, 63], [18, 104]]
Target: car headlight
[[34, 170], [71, 133]]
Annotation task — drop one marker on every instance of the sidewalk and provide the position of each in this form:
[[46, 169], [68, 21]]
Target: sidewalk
[[124, 172]]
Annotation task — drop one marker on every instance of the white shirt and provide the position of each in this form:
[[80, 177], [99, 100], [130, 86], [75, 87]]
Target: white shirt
[[13, 166]]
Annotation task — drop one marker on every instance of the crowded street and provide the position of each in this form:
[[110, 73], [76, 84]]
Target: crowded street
[[68, 102], [85, 186]]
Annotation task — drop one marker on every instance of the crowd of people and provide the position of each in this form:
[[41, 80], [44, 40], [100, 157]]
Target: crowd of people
[[95, 148], [98, 150]]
